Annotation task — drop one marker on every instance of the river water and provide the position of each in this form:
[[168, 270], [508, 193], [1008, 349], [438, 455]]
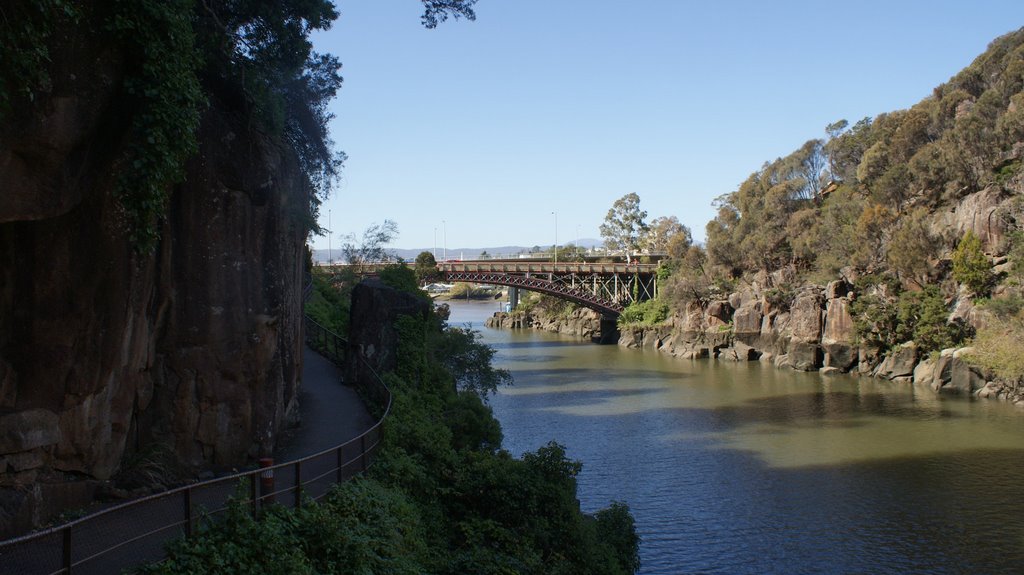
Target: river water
[[743, 468]]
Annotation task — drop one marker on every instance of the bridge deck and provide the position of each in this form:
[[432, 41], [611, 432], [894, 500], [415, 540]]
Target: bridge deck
[[514, 267]]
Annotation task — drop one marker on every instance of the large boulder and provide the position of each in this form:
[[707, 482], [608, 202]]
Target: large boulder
[[805, 324], [954, 374], [924, 373], [28, 429], [719, 313], [898, 363], [746, 321], [631, 337], [838, 335], [372, 335], [978, 213], [837, 289], [963, 377], [942, 373]]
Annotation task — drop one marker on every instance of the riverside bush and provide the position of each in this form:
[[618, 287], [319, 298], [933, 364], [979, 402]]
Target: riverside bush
[[971, 266], [997, 348], [883, 320], [650, 312]]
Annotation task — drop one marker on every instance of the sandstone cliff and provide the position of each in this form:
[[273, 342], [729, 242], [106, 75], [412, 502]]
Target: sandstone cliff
[[105, 353]]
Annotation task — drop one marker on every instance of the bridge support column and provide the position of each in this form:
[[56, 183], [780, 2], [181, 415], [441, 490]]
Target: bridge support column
[[513, 297], [609, 330]]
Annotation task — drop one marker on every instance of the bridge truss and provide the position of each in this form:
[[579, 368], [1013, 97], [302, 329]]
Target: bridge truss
[[606, 288]]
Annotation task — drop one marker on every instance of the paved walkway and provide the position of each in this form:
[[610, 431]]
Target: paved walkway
[[330, 411]]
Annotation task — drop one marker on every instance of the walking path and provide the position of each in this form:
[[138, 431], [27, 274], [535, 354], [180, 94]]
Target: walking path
[[330, 411]]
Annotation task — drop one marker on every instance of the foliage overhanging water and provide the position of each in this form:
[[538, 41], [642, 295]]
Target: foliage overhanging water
[[744, 468]]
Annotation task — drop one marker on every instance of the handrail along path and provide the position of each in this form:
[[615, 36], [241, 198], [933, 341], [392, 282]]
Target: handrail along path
[[135, 532]]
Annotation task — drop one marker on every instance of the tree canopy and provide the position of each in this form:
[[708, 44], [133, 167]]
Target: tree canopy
[[370, 248], [846, 200], [624, 227], [253, 57], [425, 267]]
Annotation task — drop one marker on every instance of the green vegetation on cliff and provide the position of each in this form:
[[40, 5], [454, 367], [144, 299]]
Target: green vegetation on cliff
[[919, 210], [860, 200], [176, 55], [442, 496]]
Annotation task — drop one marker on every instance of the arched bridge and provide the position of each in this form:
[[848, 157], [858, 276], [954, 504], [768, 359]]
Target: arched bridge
[[604, 287]]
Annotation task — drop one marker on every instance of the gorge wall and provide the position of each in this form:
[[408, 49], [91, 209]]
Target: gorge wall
[[108, 355], [814, 333]]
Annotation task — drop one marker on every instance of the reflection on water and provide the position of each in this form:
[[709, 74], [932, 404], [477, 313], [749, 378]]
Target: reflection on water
[[740, 468]]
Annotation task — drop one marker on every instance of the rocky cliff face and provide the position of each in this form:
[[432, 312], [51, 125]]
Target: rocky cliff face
[[814, 333], [104, 352]]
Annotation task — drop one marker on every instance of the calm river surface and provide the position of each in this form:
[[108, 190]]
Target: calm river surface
[[737, 468]]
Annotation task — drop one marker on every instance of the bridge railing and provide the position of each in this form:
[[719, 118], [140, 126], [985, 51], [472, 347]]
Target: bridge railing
[[133, 533], [547, 267]]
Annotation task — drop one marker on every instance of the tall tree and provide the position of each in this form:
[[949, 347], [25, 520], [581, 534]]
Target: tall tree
[[371, 247], [666, 231], [812, 168], [624, 226], [912, 247], [426, 268]]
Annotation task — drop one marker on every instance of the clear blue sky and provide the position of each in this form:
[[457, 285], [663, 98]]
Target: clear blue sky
[[563, 106]]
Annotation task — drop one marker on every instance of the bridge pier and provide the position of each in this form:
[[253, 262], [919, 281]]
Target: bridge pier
[[513, 297], [609, 330]]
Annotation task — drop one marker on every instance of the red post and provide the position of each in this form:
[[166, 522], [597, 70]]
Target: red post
[[298, 483], [188, 511], [67, 550], [267, 480]]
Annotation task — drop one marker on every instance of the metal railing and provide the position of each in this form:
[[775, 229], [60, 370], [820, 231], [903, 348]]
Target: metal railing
[[326, 342], [133, 533]]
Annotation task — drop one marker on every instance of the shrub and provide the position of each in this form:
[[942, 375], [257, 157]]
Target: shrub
[[875, 321], [402, 278], [883, 320], [997, 348], [780, 297], [1004, 307], [650, 312], [923, 317], [971, 266], [615, 526], [329, 303], [1016, 256]]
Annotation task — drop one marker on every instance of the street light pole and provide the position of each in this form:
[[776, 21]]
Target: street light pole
[[444, 229], [556, 235], [435, 243]]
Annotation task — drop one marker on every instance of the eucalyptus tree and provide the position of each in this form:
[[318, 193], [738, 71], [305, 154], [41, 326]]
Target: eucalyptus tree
[[666, 231], [624, 227]]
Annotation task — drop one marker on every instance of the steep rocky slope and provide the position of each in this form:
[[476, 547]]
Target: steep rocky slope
[[108, 354]]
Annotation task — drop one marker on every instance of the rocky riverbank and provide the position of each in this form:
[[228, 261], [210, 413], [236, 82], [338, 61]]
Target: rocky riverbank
[[582, 322], [815, 332]]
